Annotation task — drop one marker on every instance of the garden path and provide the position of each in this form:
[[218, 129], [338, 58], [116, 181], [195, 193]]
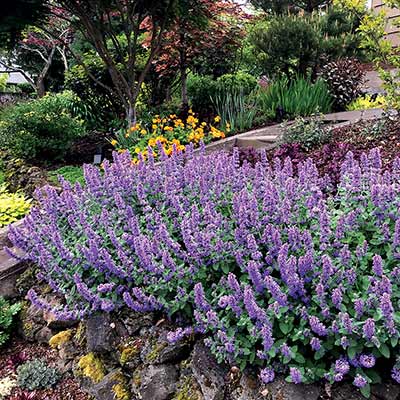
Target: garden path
[[268, 137]]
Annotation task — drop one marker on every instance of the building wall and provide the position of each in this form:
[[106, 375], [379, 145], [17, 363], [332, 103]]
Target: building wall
[[393, 31]]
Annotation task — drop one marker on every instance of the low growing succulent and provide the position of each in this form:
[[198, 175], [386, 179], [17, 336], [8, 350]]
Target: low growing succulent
[[36, 374]]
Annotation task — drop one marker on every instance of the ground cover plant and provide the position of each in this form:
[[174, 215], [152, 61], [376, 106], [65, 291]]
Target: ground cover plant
[[71, 173], [275, 273], [13, 206], [7, 313]]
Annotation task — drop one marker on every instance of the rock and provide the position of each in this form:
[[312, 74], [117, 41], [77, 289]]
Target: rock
[[31, 322], [173, 353], [34, 314], [346, 391], [158, 382], [100, 335], [386, 391], [208, 373], [68, 351], [10, 270], [282, 390], [64, 366], [134, 322], [43, 335], [56, 324], [112, 387], [247, 389]]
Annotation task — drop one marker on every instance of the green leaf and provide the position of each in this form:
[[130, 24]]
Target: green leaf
[[366, 391], [351, 352], [385, 351], [285, 328], [299, 358]]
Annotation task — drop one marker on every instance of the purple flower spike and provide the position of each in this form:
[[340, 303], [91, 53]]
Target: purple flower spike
[[359, 381], [296, 376], [267, 375]]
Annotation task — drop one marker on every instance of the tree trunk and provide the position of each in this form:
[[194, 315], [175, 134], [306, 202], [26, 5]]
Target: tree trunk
[[184, 94], [131, 117], [185, 99], [40, 87]]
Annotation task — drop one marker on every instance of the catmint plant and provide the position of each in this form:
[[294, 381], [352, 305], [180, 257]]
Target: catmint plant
[[257, 257]]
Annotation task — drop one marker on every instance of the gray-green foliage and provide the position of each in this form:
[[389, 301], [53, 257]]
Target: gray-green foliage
[[308, 132], [36, 374], [7, 313]]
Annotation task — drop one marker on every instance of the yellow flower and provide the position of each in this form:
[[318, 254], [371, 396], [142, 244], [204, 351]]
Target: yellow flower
[[154, 127], [172, 116], [143, 131], [191, 120], [137, 150], [114, 142], [127, 135], [168, 128], [161, 139], [178, 123], [152, 142], [217, 119], [191, 112]]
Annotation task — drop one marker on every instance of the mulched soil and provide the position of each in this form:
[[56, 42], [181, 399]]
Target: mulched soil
[[17, 352], [83, 150], [367, 135]]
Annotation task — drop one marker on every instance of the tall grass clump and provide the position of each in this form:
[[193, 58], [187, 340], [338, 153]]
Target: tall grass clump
[[299, 97], [236, 108]]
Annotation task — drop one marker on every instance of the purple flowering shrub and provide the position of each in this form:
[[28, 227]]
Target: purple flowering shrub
[[257, 258]]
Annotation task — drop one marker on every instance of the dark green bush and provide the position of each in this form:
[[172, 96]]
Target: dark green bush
[[37, 374], [238, 82], [42, 129], [7, 314], [203, 90], [200, 91], [287, 44]]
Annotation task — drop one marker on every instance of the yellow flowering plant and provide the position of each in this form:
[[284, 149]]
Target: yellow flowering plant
[[169, 131]]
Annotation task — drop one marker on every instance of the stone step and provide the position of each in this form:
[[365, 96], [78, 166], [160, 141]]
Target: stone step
[[258, 142], [10, 269]]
